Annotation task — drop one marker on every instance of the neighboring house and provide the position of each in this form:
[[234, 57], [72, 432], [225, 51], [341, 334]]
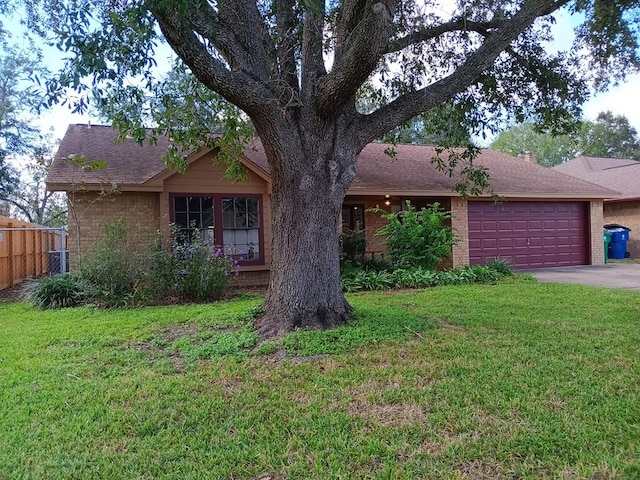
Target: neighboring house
[[544, 218], [622, 175]]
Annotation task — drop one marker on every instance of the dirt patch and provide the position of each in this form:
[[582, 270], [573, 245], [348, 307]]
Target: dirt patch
[[181, 330], [281, 356], [388, 415], [231, 386], [177, 361], [450, 326], [477, 470]]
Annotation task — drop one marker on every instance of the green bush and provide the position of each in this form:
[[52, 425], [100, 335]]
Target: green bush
[[192, 271], [354, 279], [58, 291], [353, 244], [501, 265], [116, 267], [417, 238]]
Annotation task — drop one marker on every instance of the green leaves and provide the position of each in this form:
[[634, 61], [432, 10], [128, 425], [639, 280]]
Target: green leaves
[[609, 136], [417, 238]]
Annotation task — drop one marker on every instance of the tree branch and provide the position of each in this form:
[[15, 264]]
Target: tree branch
[[457, 25], [411, 104], [238, 87], [360, 53], [245, 50], [286, 27], [312, 60]]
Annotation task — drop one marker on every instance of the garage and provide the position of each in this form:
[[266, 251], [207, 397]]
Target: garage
[[529, 234]]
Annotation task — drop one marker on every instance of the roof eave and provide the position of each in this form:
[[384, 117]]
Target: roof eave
[[97, 187]]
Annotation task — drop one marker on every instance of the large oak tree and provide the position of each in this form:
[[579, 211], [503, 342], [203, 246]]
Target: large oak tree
[[298, 68]]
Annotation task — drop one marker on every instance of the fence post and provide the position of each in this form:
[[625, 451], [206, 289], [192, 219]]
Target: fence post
[[25, 262], [10, 252], [63, 252]]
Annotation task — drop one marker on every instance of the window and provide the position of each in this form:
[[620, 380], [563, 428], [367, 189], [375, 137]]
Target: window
[[352, 216], [193, 214], [232, 223], [241, 227]]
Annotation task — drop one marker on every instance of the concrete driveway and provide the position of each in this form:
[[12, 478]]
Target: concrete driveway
[[612, 275]]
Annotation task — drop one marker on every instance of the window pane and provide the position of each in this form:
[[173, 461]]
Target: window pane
[[194, 204], [252, 205], [241, 220], [254, 220], [181, 219], [194, 219], [227, 220], [227, 205], [180, 204], [207, 204]]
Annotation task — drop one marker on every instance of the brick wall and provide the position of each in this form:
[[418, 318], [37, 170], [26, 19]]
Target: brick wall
[[251, 279], [627, 214], [372, 223], [139, 210], [460, 225]]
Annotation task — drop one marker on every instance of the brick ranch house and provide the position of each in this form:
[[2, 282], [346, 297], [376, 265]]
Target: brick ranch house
[[545, 218], [622, 175]]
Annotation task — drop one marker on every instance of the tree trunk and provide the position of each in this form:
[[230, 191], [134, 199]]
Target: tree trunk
[[308, 192]]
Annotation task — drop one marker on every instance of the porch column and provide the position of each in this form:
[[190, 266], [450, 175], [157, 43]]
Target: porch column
[[460, 225]]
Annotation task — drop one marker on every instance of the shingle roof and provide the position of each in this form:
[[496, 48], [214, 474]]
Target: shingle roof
[[128, 163], [410, 171], [619, 174]]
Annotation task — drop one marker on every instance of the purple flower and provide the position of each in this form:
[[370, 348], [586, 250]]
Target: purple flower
[[184, 272], [207, 278], [226, 274], [175, 286]]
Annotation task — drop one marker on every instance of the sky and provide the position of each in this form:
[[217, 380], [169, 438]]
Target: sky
[[623, 99]]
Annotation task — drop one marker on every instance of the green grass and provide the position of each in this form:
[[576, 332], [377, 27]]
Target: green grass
[[531, 381]]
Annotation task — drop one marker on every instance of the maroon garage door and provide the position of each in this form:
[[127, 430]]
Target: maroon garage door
[[529, 234]]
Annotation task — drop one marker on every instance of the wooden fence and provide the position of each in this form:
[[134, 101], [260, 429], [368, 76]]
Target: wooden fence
[[26, 249]]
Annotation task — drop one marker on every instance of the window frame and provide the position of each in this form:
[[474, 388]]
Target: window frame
[[218, 222]]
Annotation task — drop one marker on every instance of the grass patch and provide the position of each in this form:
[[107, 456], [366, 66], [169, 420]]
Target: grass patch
[[531, 381]]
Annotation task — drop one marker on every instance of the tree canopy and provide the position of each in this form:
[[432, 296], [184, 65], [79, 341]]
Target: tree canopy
[[17, 101], [608, 136], [298, 69]]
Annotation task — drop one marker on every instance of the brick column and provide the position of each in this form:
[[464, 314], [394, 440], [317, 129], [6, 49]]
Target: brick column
[[460, 225], [596, 221]]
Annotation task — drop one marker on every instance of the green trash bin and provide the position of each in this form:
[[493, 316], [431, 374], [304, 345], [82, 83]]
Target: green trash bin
[[607, 241]]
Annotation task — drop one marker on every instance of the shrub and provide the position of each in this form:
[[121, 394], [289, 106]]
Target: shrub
[[353, 244], [58, 291], [417, 238], [416, 277], [116, 267], [501, 265], [192, 270]]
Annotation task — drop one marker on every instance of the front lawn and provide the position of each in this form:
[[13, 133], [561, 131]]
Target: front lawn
[[471, 382]]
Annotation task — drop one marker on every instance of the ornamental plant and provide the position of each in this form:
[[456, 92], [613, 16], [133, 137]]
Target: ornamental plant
[[417, 238], [192, 269]]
